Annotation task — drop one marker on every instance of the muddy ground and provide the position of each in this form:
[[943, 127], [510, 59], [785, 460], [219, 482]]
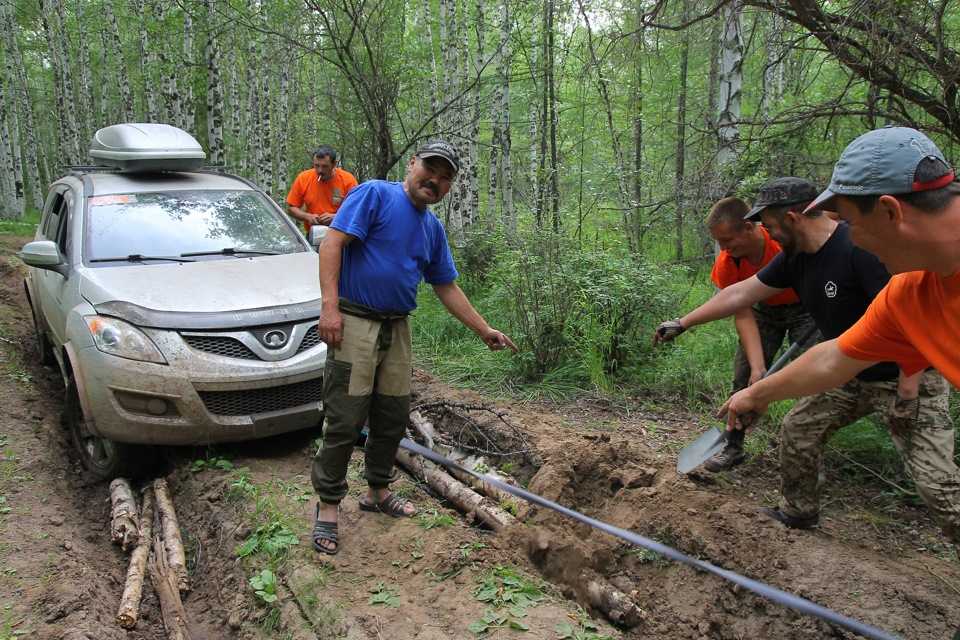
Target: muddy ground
[[439, 576]]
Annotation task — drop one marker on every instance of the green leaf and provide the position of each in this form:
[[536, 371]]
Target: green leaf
[[519, 626]]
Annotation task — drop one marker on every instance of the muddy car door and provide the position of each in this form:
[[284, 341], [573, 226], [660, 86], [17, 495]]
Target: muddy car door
[[51, 285]]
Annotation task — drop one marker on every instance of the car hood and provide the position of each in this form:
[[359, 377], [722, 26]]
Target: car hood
[[207, 286]]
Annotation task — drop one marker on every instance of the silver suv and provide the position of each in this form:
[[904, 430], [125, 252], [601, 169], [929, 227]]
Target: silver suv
[[179, 304]]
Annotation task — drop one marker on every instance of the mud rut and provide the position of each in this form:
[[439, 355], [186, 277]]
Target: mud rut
[[61, 578]]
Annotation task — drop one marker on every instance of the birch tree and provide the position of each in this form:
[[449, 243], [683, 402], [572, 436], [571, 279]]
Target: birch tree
[[731, 83], [681, 146], [501, 173], [120, 76], [215, 153]]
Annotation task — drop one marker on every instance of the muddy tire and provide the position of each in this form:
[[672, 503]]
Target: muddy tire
[[42, 346], [105, 459]]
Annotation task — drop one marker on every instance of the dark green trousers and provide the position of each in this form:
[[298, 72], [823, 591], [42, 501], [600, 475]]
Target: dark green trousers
[[367, 379]]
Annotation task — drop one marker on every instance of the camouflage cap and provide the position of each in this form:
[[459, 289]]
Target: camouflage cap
[[441, 149], [780, 192]]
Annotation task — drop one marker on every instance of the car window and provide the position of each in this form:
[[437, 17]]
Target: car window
[[52, 222], [63, 230], [171, 223]]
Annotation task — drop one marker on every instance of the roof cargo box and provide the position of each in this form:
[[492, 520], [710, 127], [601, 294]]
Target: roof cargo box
[[139, 147]]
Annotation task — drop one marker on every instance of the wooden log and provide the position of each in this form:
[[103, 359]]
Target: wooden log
[[462, 496], [170, 530], [426, 429], [123, 514], [164, 579], [617, 606], [129, 610]]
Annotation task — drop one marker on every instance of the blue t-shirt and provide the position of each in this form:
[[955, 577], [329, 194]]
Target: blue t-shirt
[[396, 245]]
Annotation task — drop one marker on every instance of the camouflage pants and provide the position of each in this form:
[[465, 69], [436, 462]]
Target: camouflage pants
[[774, 324], [923, 435], [367, 378]]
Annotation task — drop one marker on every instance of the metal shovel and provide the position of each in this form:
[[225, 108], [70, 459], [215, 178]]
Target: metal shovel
[[712, 442]]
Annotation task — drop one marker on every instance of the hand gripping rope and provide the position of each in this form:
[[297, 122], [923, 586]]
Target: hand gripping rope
[[771, 593]]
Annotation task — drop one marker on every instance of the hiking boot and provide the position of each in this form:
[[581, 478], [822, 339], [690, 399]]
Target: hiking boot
[[793, 522], [731, 456]]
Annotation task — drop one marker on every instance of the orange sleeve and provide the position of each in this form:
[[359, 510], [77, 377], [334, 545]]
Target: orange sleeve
[[351, 182], [297, 192], [879, 337], [723, 274]]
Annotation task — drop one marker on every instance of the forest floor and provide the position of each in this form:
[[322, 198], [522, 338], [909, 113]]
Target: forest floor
[[439, 576]]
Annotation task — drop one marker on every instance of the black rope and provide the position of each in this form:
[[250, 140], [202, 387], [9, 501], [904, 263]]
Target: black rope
[[771, 593]]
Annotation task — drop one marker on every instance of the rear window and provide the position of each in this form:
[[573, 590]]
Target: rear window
[[172, 223]]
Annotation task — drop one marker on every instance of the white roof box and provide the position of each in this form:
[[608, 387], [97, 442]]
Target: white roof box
[[139, 147]]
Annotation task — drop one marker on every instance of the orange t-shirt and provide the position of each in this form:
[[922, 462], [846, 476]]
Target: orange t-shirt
[[316, 196], [727, 270], [915, 322]]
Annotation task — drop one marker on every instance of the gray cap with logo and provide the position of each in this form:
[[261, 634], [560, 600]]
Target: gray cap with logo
[[884, 162], [782, 192], [441, 149]]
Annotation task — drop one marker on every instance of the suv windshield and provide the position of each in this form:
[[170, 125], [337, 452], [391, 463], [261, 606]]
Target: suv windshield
[[173, 223]]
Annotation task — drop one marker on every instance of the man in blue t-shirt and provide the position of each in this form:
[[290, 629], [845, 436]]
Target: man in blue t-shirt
[[381, 244]]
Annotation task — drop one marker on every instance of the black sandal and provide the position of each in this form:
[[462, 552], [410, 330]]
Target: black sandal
[[325, 531], [392, 505]]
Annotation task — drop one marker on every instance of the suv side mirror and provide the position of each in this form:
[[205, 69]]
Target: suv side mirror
[[317, 233], [43, 254]]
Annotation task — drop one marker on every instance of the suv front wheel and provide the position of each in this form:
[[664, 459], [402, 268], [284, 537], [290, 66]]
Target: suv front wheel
[[105, 459]]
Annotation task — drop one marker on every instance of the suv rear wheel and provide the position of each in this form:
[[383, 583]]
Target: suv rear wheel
[[105, 459]]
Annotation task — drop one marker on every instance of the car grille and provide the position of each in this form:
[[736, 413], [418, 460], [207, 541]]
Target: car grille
[[251, 401], [310, 339], [221, 346]]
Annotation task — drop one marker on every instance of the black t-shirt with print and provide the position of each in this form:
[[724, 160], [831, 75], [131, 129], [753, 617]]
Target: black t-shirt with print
[[835, 285]]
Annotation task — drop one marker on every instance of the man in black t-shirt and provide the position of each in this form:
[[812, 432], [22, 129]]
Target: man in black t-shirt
[[835, 281]]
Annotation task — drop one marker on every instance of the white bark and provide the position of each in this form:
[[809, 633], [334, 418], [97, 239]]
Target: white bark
[[185, 76], [773, 73], [215, 154], [8, 200], [66, 110], [129, 611], [126, 96], [234, 149], [148, 60], [16, 159], [87, 116], [282, 134], [731, 83]]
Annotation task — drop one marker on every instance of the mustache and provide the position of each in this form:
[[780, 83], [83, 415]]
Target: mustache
[[432, 186]]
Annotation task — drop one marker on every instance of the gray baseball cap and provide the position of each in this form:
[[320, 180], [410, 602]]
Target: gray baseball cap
[[441, 149], [781, 192], [884, 162]]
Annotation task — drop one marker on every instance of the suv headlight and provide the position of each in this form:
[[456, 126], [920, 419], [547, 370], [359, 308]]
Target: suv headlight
[[119, 338]]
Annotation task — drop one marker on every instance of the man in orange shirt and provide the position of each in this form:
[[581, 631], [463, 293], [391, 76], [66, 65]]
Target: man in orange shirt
[[746, 247], [317, 193]]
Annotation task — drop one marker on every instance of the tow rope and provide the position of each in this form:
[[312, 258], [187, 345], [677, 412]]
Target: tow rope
[[761, 589]]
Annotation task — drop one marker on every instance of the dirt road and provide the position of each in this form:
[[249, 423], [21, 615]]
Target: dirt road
[[247, 509]]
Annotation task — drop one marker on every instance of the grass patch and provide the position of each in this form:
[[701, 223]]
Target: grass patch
[[273, 539], [433, 519], [509, 594], [25, 226], [385, 595]]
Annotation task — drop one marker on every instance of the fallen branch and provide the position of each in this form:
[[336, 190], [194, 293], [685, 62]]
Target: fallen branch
[[123, 514], [617, 606], [170, 529], [129, 610], [477, 464], [164, 579], [463, 497]]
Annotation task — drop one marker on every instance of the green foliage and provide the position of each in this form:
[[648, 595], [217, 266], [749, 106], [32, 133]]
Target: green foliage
[[211, 463], [584, 629], [433, 519], [509, 595], [25, 226], [265, 586], [241, 487], [384, 595], [273, 539], [4, 506]]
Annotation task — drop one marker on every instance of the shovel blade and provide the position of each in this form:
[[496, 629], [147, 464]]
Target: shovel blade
[[700, 450]]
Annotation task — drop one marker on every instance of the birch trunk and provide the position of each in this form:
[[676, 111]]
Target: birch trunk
[[184, 80], [773, 73], [473, 177], [104, 91], [679, 178], [85, 64], [8, 201], [16, 159], [176, 558], [507, 213], [554, 119], [454, 122], [282, 135], [17, 83], [66, 81], [215, 153], [126, 96], [264, 162], [233, 150], [731, 82], [129, 611], [68, 148], [637, 100], [148, 60], [251, 115]]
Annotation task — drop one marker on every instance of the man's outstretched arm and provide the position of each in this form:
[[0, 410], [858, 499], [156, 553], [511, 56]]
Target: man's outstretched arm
[[456, 302], [822, 367], [725, 303]]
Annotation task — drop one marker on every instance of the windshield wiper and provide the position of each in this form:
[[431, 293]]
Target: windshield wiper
[[136, 257], [230, 251]]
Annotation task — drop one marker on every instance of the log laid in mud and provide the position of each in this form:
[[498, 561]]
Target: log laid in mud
[[164, 579], [123, 514], [617, 606], [170, 530], [427, 431], [129, 610], [462, 496]]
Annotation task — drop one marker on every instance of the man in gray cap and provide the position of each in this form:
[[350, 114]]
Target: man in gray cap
[[381, 244], [836, 282]]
